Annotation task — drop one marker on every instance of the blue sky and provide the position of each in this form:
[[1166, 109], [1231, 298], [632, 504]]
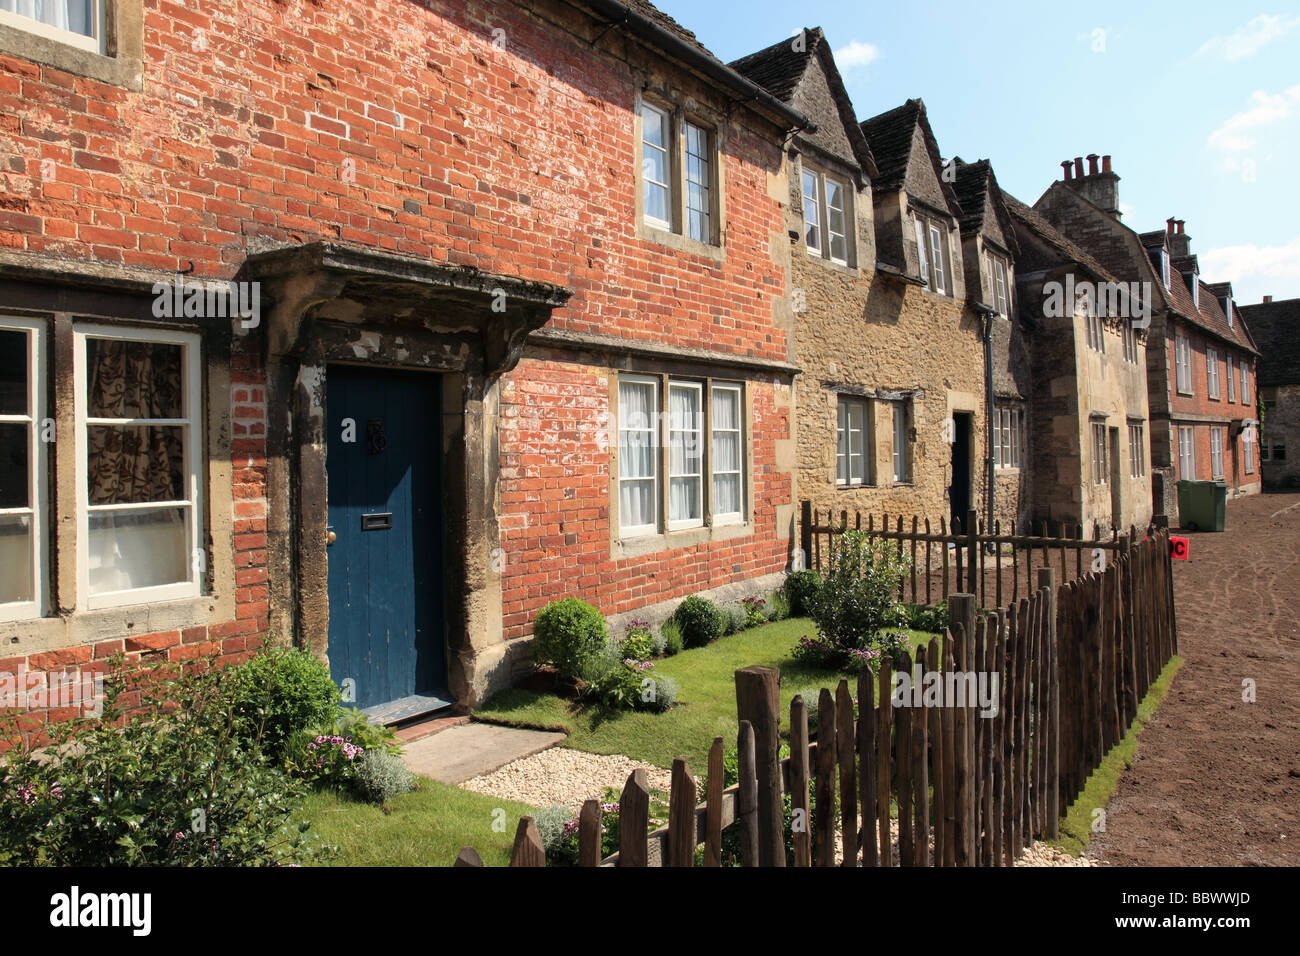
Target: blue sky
[[1198, 104]]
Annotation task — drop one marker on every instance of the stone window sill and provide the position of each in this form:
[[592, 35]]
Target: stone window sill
[[123, 66]]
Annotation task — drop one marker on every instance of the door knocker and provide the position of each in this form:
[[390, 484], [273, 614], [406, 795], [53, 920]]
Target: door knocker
[[375, 436]]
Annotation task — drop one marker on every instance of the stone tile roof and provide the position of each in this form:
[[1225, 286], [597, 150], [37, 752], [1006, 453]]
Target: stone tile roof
[[971, 187], [779, 69], [661, 19], [889, 135], [1049, 234], [1275, 327], [1152, 239]]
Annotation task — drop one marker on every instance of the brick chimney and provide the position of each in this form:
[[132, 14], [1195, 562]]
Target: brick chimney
[[1180, 243], [1099, 187], [1268, 299]]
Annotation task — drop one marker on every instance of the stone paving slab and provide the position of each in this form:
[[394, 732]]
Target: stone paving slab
[[458, 753]]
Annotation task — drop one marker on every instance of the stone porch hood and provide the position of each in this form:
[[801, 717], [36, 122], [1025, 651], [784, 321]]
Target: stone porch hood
[[491, 313]]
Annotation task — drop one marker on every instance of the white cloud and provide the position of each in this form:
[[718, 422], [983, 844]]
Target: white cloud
[[1249, 39], [1255, 271], [1265, 108], [856, 54]]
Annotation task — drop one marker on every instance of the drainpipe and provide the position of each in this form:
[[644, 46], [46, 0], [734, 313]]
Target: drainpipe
[[987, 314]]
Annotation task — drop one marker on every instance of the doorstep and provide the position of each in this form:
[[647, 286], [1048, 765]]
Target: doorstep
[[427, 728], [473, 749]]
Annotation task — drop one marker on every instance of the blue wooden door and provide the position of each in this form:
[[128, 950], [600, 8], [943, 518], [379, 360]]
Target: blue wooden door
[[386, 631]]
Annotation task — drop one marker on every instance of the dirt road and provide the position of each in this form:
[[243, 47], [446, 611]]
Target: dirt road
[[1217, 779]]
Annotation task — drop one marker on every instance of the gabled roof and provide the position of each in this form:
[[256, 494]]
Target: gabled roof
[[1129, 257], [1275, 327], [781, 67], [663, 20], [977, 192], [890, 136], [1053, 237]]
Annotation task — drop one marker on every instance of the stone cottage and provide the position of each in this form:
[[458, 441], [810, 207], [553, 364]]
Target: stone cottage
[[1089, 427], [508, 322], [1275, 329], [1200, 360]]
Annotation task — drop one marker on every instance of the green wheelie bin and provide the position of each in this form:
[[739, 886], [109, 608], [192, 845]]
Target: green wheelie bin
[[1202, 505]]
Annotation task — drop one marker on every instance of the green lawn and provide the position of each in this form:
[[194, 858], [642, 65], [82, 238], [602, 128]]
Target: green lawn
[[706, 706], [425, 828]]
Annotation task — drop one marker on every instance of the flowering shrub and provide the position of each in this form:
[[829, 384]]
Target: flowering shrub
[[754, 611], [558, 829], [639, 643]]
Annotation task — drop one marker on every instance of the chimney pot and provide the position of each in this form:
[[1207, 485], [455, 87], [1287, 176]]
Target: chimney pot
[[1268, 299], [1078, 167], [1105, 164], [1169, 225], [1092, 164], [1180, 226], [1067, 166]]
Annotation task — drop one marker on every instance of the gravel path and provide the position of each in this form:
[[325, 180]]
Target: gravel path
[[561, 775], [569, 777]]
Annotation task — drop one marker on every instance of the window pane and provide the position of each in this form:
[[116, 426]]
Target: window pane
[[726, 494], [920, 251], [13, 370], [132, 464], [654, 125], [138, 549], [16, 559], [15, 449], [656, 201], [684, 502], [838, 248], [636, 503], [936, 258], [697, 183], [842, 443], [811, 212], [134, 379]]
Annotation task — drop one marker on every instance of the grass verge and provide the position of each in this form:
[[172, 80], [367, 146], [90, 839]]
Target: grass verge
[[1076, 826], [426, 827]]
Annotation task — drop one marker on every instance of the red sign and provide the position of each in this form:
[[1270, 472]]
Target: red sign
[[1178, 548]]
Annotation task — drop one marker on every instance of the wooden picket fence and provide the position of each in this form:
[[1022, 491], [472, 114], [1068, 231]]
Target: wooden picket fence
[[981, 555], [972, 785]]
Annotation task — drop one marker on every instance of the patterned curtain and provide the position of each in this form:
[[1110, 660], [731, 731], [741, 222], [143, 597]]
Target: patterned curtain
[[134, 463]]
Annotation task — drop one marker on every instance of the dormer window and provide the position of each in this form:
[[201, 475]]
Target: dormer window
[[933, 255], [1227, 310], [1195, 283], [826, 215], [1164, 268]]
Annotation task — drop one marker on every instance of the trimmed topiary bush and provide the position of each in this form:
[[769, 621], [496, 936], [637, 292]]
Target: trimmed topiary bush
[[280, 693], [700, 621], [571, 634]]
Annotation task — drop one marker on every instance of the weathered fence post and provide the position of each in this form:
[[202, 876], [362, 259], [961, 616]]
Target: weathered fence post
[[681, 817], [747, 795], [884, 723], [528, 845], [972, 551], [634, 820], [920, 776], [1047, 580], [826, 759], [867, 767], [758, 701], [468, 856], [961, 617], [714, 786], [903, 761], [589, 834], [848, 772]]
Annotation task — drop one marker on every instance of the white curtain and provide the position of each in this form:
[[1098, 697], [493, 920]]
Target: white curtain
[[685, 498], [726, 451], [78, 16], [636, 452], [15, 558], [129, 550]]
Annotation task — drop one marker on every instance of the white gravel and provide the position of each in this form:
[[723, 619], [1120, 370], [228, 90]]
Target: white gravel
[[561, 775]]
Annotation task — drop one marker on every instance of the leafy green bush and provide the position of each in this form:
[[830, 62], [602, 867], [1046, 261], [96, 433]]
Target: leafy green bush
[[672, 635], [639, 643], [570, 634], [381, 776], [800, 588], [859, 592], [190, 788], [918, 617], [755, 609], [733, 619], [558, 828], [700, 621], [278, 694]]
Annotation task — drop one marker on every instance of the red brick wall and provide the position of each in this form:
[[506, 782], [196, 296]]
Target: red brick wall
[[1200, 403], [389, 125]]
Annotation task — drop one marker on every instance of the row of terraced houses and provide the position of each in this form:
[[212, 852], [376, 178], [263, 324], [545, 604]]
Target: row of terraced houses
[[376, 327]]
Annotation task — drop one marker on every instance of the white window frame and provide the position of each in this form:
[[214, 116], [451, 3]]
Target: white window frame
[[1004, 299], [1182, 364], [706, 214], [192, 428], [1165, 269], [1008, 436], [1232, 379], [1212, 372], [902, 459], [923, 255], [1137, 452], [1216, 452], [938, 235], [820, 202], [843, 426], [37, 470], [1245, 382], [699, 431], [1248, 456], [1100, 454], [1196, 292], [666, 126], [1186, 452], [728, 517], [651, 428], [95, 44]]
